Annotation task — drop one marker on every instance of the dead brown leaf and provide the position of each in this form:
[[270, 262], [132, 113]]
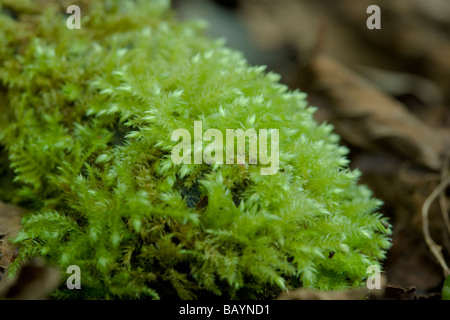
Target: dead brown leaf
[[10, 217], [34, 281], [397, 293], [368, 118]]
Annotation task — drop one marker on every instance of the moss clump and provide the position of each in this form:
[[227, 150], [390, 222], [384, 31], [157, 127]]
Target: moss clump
[[86, 123]]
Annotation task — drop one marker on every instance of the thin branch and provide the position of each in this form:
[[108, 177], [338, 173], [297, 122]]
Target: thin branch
[[435, 248]]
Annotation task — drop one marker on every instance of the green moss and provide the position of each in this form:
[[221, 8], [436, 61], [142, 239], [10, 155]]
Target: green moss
[[90, 114]]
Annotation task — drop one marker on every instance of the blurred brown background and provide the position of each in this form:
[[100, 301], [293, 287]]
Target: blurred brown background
[[386, 92]]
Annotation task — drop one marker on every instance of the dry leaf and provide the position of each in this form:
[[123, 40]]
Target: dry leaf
[[34, 281], [368, 118]]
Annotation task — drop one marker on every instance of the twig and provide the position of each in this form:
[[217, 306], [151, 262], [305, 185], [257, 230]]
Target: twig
[[435, 248], [442, 198]]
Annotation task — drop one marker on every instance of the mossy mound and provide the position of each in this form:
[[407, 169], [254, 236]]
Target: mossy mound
[[86, 124]]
